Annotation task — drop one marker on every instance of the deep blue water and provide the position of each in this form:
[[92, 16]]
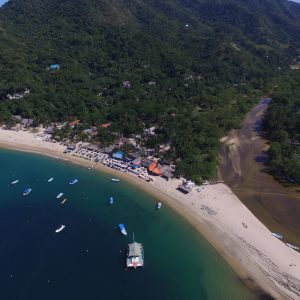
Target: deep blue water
[[86, 260]]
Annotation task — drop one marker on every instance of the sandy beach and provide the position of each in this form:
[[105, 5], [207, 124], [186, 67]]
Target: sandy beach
[[261, 260]]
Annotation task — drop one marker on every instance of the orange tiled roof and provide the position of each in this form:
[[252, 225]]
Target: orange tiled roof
[[75, 122]]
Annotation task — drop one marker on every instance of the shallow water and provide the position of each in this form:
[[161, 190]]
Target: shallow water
[[86, 260]]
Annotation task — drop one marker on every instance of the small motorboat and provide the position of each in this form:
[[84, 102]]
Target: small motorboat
[[158, 205], [26, 191], [122, 229], [14, 182], [62, 202], [50, 179], [73, 181], [111, 200], [60, 228], [115, 179], [292, 246], [277, 235], [59, 195]]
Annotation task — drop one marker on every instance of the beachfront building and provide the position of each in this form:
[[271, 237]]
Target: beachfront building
[[146, 162], [118, 155], [49, 129], [26, 122], [155, 168], [186, 186]]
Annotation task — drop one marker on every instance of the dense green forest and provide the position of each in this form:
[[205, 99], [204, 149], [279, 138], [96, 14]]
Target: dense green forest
[[282, 123], [195, 67]]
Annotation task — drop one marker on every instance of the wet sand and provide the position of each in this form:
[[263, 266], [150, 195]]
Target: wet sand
[[243, 170]]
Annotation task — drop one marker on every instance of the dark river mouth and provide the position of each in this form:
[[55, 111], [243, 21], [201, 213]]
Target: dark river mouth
[[242, 167]]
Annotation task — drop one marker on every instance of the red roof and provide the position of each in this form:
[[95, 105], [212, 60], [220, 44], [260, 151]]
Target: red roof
[[154, 168], [105, 125], [75, 122]]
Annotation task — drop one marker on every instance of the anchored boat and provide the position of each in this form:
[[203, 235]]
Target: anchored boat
[[111, 200], [122, 229], [158, 205], [135, 255], [14, 182], [26, 191], [73, 181], [60, 228], [115, 179], [59, 195], [50, 179], [277, 235], [293, 246]]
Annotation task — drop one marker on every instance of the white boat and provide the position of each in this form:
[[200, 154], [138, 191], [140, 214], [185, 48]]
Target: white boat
[[292, 246], [64, 201], [14, 182], [59, 195], [158, 206], [122, 229], [73, 181], [26, 191], [111, 200], [60, 228], [115, 179], [50, 179], [277, 235]]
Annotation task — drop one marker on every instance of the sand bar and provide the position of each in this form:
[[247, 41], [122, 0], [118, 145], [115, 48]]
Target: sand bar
[[260, 259]]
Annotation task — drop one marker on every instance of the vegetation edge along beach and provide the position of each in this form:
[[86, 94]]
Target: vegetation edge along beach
[[245, 243]]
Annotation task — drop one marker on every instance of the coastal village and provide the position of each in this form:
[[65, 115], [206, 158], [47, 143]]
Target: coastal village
[[209, 207], [139, 162]]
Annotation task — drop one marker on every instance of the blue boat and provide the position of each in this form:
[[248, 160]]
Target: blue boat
[[73, 181], [111, 200], [26, 191], [122, 229]]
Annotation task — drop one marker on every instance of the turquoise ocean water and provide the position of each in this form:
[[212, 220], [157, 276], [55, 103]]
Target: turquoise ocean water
[[86, 260]]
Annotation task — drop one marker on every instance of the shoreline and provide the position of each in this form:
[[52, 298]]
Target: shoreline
[[264, 263]]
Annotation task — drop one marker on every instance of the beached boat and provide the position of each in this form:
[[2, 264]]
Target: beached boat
[[50, 179], [293, 246], [158, 205], [73, 181], [115, 179], [62, 202], [122, 229], [59, 195], [14, 182], [277, 235], [26, 191], [111, 200], [135, 255], [60, 228]]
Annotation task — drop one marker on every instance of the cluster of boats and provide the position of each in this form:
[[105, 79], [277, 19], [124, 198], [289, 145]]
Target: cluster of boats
[[280, 237], [135, 251], [28, 191]]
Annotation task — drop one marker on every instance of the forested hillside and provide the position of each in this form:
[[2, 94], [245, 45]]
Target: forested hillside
[[191, 68], [282, 123]]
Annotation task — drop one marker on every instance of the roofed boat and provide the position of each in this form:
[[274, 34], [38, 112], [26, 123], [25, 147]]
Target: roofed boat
[[135, 255]]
